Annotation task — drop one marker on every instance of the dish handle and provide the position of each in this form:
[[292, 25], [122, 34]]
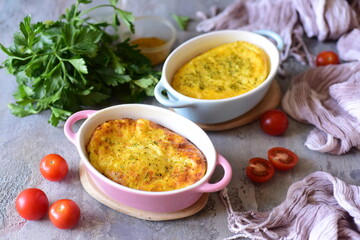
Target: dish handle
[[71, 136], [214, 187], [161, 98], [273, 35]]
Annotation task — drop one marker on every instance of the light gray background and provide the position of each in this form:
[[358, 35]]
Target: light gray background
[[24, 141]]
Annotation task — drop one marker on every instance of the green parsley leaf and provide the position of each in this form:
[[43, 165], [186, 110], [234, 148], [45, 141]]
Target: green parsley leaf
[[58, 114], [85, 1], [79, 65], [21, 110], [72, 63], [182, 21], [5, 50], [128, 18]]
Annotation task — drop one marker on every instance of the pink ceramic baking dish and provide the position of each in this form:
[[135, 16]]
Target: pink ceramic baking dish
[[168, 201]]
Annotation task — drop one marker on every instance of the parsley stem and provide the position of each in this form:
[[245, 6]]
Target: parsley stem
[[99, 6], [49, 63], [61, 62], [37, 54], [20, 58]]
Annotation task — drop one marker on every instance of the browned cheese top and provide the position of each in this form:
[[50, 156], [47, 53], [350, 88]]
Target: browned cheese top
[[143, 155]]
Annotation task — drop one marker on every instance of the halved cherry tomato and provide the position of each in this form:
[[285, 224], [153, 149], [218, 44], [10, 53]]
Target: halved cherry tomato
[[260, 170], [32, 204], [53, 167], [282, 158], [327, 58], [64, 213], [274, 122]]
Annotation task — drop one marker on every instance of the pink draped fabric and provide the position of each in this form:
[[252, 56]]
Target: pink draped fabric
[[329, 98], [348, 47], [318, 207], [326, 19], [318, 97]]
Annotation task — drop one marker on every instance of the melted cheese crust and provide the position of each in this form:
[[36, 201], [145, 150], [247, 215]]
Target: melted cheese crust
[[225, 71], [143, 155]]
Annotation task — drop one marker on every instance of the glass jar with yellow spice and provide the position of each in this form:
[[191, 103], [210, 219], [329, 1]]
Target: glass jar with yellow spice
[[154, 36]]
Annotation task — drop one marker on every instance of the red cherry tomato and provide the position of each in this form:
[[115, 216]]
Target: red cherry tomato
[[327, 58], [282, 158], [53, 167], [260, 170], [64, 214], [274, 122], [32, 204]]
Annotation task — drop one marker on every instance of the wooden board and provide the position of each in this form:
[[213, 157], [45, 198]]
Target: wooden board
[[94, 191], [270, 101]]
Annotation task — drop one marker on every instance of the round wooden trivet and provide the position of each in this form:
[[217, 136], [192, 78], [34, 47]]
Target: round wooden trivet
[[270, 101], [94, 191]]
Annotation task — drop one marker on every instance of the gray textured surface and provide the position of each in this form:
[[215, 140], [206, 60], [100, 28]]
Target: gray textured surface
[[24, 141]]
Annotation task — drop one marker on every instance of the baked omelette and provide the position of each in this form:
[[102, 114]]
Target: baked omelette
[[222, 72], [143, 155]]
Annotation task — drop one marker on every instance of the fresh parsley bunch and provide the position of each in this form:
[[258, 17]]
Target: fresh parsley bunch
[[74, 62]]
